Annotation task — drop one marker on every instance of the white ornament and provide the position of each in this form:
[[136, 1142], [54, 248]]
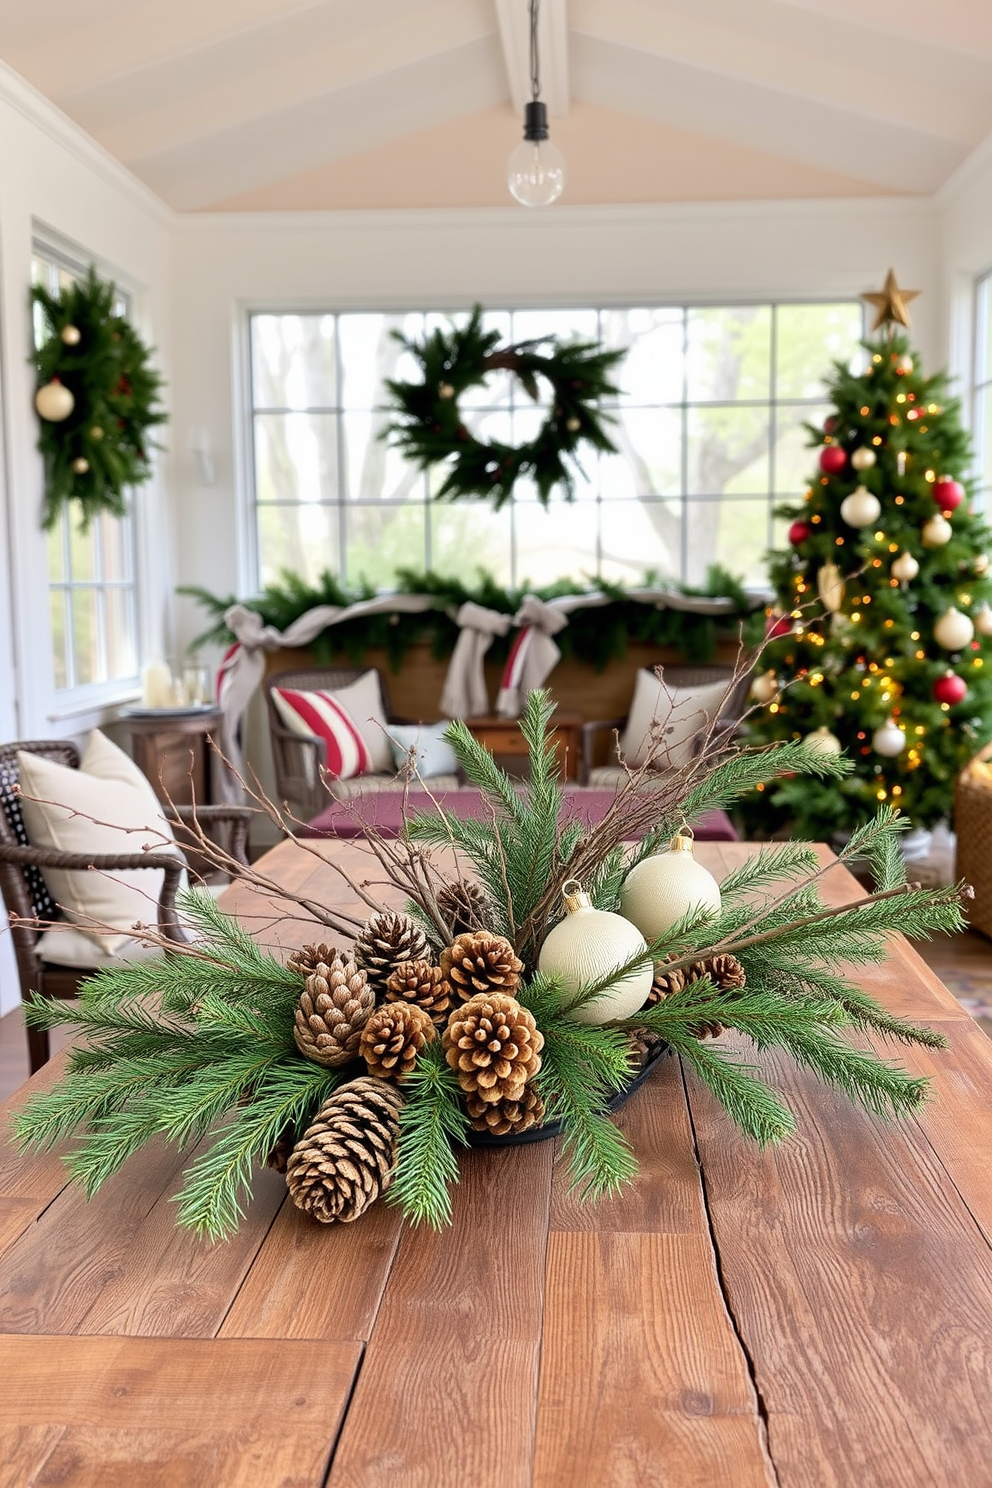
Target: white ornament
[[905, 363], [889, 739], [71, 335], [80, 465], [587, 945], [822, 741], [905, 568], [660, 890], [953, 630], [936, 532], [861, 508], [54, 402], [980, 564], [765, 686], [830, 587], [983, 621], [864, 458]]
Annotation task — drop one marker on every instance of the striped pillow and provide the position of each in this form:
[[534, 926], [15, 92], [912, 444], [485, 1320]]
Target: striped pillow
[[320, 714]]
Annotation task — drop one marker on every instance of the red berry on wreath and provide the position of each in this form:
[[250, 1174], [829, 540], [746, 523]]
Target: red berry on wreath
[[832, 459], [799, 532], [950, 689], [947, 493]]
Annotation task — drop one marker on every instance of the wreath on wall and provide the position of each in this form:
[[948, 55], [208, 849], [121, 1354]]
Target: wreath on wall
[[97, 398], [429, 428]]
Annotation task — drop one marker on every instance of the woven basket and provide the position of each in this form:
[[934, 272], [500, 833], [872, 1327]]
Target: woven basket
[[973, 824]]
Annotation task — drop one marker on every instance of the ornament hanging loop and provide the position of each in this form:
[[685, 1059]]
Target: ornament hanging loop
[[575, 896], [683, 839]]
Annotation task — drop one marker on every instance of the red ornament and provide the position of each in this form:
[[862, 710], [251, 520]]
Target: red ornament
[[947, 493], [779, 625], [832, 459], [950, 688], [799, 532], [830, 425]]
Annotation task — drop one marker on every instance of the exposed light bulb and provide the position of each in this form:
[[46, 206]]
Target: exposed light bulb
[[536, 169]]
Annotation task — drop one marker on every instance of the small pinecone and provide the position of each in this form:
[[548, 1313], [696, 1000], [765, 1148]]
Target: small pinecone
[[664, 984], [480, 961], [307, 960], [332, 1011], [279, 1157], [423, 985], [506, 1115], [344, 1160], [465, 907], [641, 1044], [494, 1046], [725, 972], [387, 939], [393, 1037]]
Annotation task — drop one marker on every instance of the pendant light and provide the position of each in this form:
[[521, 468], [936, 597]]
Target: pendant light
[[535, 172]]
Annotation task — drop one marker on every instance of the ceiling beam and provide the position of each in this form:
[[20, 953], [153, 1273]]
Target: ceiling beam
[[552, 39]]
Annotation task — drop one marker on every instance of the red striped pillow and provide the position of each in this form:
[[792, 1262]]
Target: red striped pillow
[[320, 714]]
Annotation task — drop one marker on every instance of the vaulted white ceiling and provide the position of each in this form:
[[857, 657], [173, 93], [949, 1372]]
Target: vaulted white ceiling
[[270, 104]]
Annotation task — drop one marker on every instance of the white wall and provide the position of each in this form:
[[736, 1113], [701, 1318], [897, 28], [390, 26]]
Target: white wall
[[964, 208], [54, 175]]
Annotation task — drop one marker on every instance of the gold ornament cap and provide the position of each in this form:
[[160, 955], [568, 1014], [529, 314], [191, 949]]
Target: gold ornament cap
[[682, 841], [575, 896]]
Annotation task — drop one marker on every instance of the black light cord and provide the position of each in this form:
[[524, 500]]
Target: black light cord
[[535, 61]]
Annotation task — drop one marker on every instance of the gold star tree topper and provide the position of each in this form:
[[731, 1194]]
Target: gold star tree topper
[[890, 303]]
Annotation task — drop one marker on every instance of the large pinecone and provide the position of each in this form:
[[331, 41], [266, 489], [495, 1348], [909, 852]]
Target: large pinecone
[[506, 1116], [423, 985], [386, 940], [494, 1046], [393, 1037], [724, 971], [641, 1044], [332, 1011], [308, 958], [465, 907], [344, 1160], [480, 961]]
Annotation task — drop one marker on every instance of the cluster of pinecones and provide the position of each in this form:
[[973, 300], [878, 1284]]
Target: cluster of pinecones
[[383, 1003]]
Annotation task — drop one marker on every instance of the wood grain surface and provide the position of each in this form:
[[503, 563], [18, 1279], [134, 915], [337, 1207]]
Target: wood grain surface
[[816, 1316]]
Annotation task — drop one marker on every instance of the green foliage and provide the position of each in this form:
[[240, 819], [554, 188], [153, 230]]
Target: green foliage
[[594, 636], [116, 394], [879, 657], [431, 1119], [428, 427]]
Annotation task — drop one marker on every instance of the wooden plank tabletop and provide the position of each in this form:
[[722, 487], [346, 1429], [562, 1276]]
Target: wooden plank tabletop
[[815, 1316]]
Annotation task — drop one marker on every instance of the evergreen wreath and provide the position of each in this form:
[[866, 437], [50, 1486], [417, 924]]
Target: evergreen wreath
[[99, 448], [429, 428]]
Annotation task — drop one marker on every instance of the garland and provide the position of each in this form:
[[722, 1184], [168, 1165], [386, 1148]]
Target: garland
[[593, 637], [97, 398], [429, 428], [361, 1070]]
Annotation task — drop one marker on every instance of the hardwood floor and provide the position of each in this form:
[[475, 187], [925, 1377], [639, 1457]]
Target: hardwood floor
[[963, 962]]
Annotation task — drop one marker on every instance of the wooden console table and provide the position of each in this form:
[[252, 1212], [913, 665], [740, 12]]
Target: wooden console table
[[172, 751], [503, 737], [818, 1315]]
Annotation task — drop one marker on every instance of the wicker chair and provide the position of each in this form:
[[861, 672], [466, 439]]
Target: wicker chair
[[30, 905], [609, 775], [299, 759]]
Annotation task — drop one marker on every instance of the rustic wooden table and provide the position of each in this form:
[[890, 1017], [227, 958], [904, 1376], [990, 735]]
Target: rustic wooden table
[[817, 1316]]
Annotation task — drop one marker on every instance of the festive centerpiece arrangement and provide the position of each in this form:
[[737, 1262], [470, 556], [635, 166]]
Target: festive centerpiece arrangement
[[532, 971], [97, 399]]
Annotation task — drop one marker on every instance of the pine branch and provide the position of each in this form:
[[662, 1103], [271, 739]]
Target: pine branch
[[431, 1119], [770, 865], [581, 1067], [748, 1102]]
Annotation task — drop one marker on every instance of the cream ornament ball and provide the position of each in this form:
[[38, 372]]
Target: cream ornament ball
[[71, 335], [980, 564], [54, 402], [936, 532], [830, 586], [983, 621], [80, 465], [822, 741], [864, 458], [905, 568], [660, 890], [861, 508], [953, 630], [889, 740], [765, 687], [586, 946]]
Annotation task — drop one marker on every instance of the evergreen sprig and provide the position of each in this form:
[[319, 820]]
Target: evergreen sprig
[[431, 1119]]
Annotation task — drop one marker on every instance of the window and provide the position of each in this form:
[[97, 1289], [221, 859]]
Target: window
[[982, 412], [708, 429], [91, 583]]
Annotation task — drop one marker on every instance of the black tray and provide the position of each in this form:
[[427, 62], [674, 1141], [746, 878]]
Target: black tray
[[552, 1128]]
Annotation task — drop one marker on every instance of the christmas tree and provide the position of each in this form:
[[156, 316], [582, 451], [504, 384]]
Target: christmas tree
[[879, 641]]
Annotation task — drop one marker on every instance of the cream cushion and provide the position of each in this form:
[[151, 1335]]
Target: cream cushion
[[363, 700], [682, 714], [105, 807]]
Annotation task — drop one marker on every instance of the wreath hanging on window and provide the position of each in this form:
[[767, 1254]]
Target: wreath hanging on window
[[97, 398], [429, 428]]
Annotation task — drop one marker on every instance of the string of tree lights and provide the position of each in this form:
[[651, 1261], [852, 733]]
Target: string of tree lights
[[879, 639]]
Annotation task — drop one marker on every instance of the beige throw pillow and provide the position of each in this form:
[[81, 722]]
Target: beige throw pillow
[[363, 700], [682, 712], [106, 806]]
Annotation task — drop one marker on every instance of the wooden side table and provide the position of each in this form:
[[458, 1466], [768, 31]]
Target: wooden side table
[[171, 749], [503, 736]]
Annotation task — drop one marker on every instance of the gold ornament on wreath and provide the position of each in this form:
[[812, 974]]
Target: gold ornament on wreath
[[428, 426]]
